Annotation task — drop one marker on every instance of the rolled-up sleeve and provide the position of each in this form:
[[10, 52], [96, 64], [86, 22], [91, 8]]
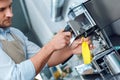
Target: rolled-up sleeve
[[24, 71], [11, 71]]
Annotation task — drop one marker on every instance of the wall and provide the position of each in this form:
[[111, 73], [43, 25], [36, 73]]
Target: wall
[[19, 21], [19, 18], [39, 13]]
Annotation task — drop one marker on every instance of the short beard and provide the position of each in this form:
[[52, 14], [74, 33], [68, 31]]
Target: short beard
[[4, 27], [6, 23]]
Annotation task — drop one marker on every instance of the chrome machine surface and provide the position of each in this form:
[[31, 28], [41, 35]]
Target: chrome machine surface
[[89, 19]]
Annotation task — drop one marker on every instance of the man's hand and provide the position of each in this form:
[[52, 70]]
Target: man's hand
[[60, 40], [76, 45]]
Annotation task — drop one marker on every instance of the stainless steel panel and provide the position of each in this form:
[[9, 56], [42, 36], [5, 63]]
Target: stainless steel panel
[[104, 12], [113, 62]]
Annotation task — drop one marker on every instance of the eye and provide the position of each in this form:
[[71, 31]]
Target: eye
[[2, 9], [10, 6]]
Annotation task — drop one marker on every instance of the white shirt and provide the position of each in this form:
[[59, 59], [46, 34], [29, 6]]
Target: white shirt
[[8, 69]]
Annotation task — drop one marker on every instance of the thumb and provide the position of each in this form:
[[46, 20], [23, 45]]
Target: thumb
[[60, 31]]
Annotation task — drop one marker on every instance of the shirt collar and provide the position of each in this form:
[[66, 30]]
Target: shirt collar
[[4, 30]]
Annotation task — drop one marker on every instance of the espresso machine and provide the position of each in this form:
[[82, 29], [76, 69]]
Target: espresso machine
[[106, 59]]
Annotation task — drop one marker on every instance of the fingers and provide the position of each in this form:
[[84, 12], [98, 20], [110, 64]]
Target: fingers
[[86, 39], [61, 31], [67, 39], [76, 43], [65, 33], [66, 36], [80, 40], [89, 42], [91, 46]]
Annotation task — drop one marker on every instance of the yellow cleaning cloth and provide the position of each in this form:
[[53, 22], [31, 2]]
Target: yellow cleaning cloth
[[87, 58]]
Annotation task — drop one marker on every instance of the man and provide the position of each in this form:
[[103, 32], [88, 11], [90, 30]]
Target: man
[[21, 59]]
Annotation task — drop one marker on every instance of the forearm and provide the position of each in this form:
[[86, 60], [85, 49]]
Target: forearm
[[41, 58], [59, 56], [60, 40]]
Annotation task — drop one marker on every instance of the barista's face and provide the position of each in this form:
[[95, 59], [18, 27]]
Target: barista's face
[[5, 13]]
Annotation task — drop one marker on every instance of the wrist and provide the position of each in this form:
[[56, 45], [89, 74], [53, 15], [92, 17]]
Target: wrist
[[50, 46], [69, 50]]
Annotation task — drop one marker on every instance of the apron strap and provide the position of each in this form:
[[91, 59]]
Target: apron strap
[[14, 49]]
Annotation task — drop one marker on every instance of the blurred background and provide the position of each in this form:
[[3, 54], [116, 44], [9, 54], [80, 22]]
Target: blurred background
[[40, 20]]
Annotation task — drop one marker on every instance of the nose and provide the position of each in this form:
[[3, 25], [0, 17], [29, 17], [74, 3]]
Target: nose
[[9, 13]]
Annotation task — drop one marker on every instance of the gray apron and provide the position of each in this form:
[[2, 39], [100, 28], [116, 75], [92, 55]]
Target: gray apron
[[14, 49]]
